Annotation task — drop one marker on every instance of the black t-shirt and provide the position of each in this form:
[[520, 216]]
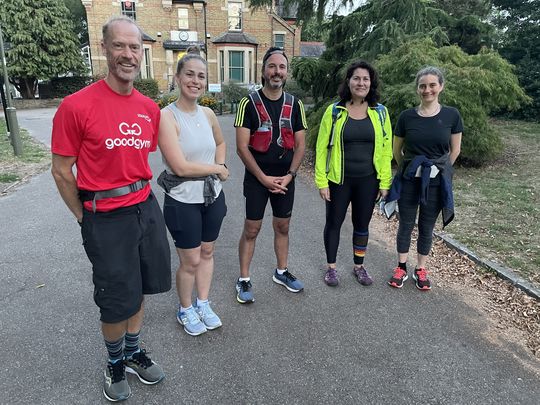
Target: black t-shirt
[[276, 161], [428, 136], [358, 147]]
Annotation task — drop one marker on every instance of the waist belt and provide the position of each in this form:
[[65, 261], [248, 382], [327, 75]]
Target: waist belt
[[94, 196]]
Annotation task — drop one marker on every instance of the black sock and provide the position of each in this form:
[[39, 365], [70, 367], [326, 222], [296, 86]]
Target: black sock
[[132, 344], [115, 349], [402, 266]]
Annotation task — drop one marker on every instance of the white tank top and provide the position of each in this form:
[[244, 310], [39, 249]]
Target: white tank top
[[197, 142]]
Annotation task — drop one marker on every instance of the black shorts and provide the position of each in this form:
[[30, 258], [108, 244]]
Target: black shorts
[[191, 224], [130, 257], [257, 197]]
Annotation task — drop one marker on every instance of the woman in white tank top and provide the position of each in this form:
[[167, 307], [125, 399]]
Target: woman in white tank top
[[193, 149]]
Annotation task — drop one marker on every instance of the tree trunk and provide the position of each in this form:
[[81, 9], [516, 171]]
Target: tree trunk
[[26, 86]]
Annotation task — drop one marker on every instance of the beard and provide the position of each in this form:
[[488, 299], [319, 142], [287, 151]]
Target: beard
[[273, 85]]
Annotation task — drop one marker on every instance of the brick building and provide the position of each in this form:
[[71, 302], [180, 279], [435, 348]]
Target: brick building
[[233, 36]]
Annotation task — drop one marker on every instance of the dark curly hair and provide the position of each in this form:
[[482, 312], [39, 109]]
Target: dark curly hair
[[372, 97]]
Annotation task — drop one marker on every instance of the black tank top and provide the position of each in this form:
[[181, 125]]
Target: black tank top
[[358, 145]]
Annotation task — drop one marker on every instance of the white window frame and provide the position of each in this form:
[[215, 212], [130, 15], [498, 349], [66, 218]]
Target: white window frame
[[147, 65], [240, 14], [276, 33], [249, 60], [183, 20], [132, 14]]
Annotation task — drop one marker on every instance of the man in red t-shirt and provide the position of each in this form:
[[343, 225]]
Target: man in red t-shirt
[[107, 131]]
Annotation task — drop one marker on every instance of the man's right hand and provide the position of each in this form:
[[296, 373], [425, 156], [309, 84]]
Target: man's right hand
[[273, 184]]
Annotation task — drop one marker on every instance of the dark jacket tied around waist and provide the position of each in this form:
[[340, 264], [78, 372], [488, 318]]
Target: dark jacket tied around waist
[[169, 181], [408, 172]]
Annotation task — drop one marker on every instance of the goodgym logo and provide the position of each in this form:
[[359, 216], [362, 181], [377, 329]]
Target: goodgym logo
[[126, 129], [129, 140]]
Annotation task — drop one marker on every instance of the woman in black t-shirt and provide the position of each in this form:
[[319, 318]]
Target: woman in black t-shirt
[[428, 136]]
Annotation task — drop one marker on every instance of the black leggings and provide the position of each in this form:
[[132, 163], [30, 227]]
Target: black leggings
[[361, 192], [408, 206]]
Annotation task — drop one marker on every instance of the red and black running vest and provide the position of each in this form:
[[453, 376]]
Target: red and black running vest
[[261, 139]]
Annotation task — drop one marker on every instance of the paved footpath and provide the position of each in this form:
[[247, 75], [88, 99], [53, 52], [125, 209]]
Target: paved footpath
[[344, 345]]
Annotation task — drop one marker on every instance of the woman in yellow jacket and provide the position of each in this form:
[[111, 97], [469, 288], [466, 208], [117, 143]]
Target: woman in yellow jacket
[[353, 164]]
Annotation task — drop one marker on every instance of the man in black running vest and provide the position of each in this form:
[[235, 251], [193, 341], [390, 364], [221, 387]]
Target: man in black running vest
[[270, 140]]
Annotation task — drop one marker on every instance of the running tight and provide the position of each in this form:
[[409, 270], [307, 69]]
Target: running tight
[[361, 192], [408, 206]]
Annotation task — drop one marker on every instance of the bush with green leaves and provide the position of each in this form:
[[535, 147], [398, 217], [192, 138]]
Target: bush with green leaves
[[208, 100], [233, 93], [294, 88], [148, 87], [60, 87], [165, 99], [476, 85]]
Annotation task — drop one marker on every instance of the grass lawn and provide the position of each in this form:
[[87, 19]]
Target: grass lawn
[[34, 159], [498, 206]]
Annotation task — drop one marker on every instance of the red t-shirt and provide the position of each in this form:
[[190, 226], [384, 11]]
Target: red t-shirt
[[111, 135]]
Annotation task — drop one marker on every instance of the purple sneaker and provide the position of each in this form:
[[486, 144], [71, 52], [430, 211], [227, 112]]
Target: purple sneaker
[[330, 277], [362, 275]]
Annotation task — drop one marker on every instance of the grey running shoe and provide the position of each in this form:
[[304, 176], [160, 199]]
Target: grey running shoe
[[330, 277], [115, 387], [362, 275], [148, 371]]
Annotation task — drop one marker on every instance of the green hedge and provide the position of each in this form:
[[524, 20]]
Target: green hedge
[[148, 87], [60, 87], [206, 100]]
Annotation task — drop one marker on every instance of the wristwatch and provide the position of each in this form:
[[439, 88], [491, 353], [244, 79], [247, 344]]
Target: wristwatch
[[293, 174]]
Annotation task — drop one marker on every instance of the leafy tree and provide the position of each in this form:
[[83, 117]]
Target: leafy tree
[[379, 26], [475, 84], [78, 16], [43, 44], [314, 30], [463, 8], [521, 46], [305, 9]]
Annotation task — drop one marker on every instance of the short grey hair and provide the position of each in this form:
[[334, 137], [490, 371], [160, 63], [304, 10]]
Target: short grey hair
[[430, 70], [105, 30]]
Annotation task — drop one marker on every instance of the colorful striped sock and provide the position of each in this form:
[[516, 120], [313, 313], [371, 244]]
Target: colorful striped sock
[[360, 240], [115, 349], [132, 344]]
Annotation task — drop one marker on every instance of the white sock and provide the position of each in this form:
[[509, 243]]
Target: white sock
[[182, 309], [281, 271], [200, 302], [244, 279]]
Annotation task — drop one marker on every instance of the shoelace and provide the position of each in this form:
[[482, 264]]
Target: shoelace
[[399, 272], [117, 371], [331, 273], [289, 276], [245, 285], [142, 359], [422, 274], [192, 316], [205, 309]]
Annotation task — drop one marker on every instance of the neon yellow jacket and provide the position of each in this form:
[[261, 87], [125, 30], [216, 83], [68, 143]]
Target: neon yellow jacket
[[382, 155]]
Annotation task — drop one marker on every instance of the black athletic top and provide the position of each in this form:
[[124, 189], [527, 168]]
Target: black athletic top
[[276, 161], [428, 136], [358, 147]]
